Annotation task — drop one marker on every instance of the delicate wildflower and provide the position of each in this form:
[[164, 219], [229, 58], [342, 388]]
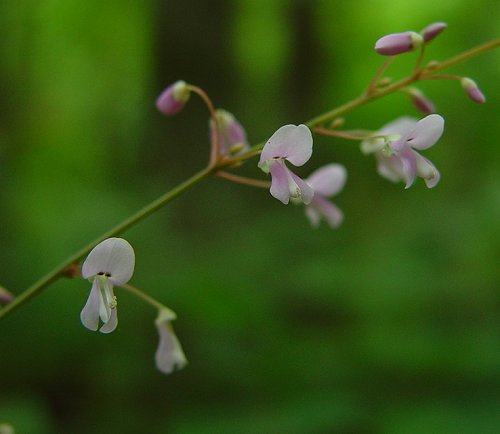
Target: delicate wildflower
[[289, 143], [169, 355], [5, 296], [109, 263], [432, 30], [396, 145], [327, 181], [420, 101], [232, 136], [397, 43], [173, 98], [473, 91]]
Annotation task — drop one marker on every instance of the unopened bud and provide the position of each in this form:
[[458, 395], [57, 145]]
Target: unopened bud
[[397, 43], [173, 98], [232, 136], [5, 296], [432, 30], [473, 91], [420, 101]]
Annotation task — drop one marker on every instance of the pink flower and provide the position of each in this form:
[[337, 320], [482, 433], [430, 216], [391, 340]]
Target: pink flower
[[169, 354], [327, 181], [293, 144], [397, 43], [420, 101], [109, 263], [232, 136], [396, 151], [173, 98]]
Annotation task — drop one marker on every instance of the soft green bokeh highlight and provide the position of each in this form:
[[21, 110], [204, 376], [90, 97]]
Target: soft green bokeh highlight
[[390, 324]]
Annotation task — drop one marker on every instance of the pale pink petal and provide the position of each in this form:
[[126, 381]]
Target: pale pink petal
[[408, 166], [280, 181], [112, 322], [328, 180], [113, 257], [389, 168], [427, 171], [306, 193], [427, 132], [90, 312], [401, 126], [329, 211], [312, 215], [291, 142]]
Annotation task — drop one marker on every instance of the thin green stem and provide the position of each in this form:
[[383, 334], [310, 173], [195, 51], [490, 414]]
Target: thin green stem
[[57, 272], [143, 296]]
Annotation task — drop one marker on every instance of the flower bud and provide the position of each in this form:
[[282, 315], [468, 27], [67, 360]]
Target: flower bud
[[473, 91], [432, 30], [420, 101], [232, 136], [173, 98], [5, 296], [397, 43]]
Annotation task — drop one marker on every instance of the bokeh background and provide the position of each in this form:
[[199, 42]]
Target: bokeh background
[[390, 324]]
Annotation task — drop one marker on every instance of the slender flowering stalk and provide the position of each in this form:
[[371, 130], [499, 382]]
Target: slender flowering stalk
[[426, 72]]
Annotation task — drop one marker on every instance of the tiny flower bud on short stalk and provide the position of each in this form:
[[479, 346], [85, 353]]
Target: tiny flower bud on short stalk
[[473, 91], [173, 99], [232, 137], [5, 296], [420, 101], [432, 30]]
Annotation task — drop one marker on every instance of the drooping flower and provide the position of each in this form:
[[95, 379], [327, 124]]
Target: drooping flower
[[396, 148], [420, 101], [169, 354], [232, 136], [327, 181], [432, 30], [109, 263], [397, 43], [473, 91], [173, 98], [290, 143]]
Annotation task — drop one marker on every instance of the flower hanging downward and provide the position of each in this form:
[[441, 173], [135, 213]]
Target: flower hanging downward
[[109, 263], [169, 355], [327, 181], [396, 153], [294, 144]]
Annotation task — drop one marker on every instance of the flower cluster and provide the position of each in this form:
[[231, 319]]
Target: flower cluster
[[111, 263]]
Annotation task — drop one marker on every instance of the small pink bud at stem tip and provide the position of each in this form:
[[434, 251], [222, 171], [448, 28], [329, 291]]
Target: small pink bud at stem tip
[[473, 91], [173, 98], [5, 296], [432, 30], [420, 101], [397, 43]]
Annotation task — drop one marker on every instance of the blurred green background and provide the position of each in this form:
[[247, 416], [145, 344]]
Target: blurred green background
[[390, 324]]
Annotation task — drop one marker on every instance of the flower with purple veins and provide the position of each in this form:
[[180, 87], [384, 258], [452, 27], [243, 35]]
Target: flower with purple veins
[[169, 354], [326, 182], [396, 145], [109, 263], [232, 136], [290, 143]]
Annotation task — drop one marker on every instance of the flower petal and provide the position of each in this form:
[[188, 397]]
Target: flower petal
[[294, 143], [110, 326], [328, 210], [401, 126], [312, 215], [114, 256], [389, 167], [90, 312], [427, 171], [328, 180], [306, 193], [279, 181], [427, 132], [408, 166]]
